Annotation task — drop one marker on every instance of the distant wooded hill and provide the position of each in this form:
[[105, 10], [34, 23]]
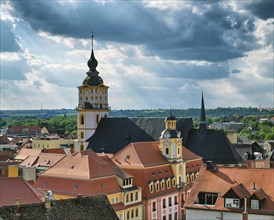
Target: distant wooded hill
[[191, 112]]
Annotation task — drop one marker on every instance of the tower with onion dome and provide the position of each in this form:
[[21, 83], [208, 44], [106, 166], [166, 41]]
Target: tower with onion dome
[[171, 148], [92, 103]]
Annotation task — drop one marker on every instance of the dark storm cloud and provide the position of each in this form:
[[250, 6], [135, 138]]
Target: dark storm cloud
[[8, 42], [263, 9], [217, 35]]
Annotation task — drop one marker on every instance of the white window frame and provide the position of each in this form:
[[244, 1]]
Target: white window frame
[[254, 204], [232, 203]]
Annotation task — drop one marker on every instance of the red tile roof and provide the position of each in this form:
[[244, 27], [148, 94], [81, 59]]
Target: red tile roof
[[74, 186], [146, 163], [18, 129], [55, 150], [82, 173], [140, 155], [189, 155], [16, 187], [25, 152], [81, 165], [48, 159], [240, 180]]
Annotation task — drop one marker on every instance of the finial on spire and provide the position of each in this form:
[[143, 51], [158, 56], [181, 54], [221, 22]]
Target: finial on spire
[[92, 40], [170, 113], [92, 62]]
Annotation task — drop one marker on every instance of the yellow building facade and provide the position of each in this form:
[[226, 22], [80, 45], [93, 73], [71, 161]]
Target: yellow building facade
[[51, 143]]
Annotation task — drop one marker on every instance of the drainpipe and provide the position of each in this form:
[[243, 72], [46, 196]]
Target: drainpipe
[[245, 214]]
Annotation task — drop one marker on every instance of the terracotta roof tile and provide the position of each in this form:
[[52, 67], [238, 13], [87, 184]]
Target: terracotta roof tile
[[24, 153], [240, 180], [16, 187], [141, 154], [82, 165]]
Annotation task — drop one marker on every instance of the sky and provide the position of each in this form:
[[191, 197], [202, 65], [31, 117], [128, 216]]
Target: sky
[[151, 54]]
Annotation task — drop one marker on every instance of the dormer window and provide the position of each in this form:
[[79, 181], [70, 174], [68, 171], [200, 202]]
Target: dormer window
[[174, 182], [127, 182], [157, 186], [207, 198], [151, 189], [254, 204], [168, 183], [232, 202], [163, 185]]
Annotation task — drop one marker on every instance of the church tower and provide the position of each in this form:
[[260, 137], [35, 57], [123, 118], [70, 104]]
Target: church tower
[[171, 147], [92, 103], [203, 123]]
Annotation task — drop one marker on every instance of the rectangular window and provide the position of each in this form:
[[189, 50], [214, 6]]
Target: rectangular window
[[153, 206], [175, 200], [254, 204], [164, 203], [170, 216], [127, 198], [167, 151], [117, 199], [175, 216], [169, 201], [131, 197], [136, 212], [112, 200], [136, 196], [207, 198], [232, 203], [164, 217], [82, 134]]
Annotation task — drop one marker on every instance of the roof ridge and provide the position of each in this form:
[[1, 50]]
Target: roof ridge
[[32, 188]]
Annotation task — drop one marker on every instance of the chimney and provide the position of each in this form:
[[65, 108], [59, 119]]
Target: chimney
[[209, 165], [16, 201], [80, 198], [47, 203], [245, 214], [17, 208]]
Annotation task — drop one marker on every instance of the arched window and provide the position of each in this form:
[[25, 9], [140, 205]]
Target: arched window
[[81, 147], [82, 119]]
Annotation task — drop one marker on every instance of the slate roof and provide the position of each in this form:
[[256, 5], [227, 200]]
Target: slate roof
[[250, 149], [212, 145], [113, 134], [96, 207], [155, 126]]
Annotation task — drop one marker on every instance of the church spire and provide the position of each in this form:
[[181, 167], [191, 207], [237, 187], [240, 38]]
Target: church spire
[[92, 62], [92, 79], [203, 123]]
